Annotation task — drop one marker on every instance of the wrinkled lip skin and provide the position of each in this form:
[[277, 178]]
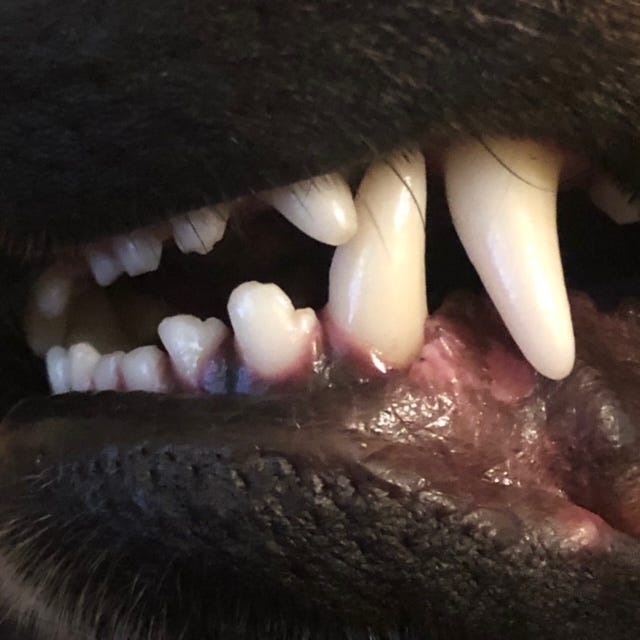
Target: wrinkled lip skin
[[393, 508]]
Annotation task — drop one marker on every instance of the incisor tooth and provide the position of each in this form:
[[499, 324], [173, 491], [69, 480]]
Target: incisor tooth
[[198, 231], [57, 361], [106, 375], [502, 198], [610, 198], [271, 335], [321, 207], [190, 342], [83, 359], [52, 290], [139, 251], [146, 369], [377, 288], [104, 265]]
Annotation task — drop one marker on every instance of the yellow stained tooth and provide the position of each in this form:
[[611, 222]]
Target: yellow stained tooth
[[502, 196], [377, 281]]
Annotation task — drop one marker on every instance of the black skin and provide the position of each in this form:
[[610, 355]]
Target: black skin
[[117, 114]]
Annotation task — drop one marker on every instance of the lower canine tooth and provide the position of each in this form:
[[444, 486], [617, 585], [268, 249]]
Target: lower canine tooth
[[191, 342], [198, 231], [146, 369], [502, 198], [83, 359], [377, 288], [322, 207], [272, 336], [610, 198], [139, 251], [57, 361]]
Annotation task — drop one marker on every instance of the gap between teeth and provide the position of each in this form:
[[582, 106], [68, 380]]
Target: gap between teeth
[[502, 197]]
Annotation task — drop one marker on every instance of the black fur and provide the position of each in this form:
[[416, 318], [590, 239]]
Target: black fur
[[116, 113]]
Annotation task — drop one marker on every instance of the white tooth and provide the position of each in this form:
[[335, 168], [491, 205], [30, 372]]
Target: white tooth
[[502, 198], [139, 251], [321, 207], [105, 266], [41, 332], [377, 288], [146, 369], [52, 290], [57, 360], [92, 319], [609, 197], [198, 231], [271, 335], [106, 375], [83, 359], [191, 342]]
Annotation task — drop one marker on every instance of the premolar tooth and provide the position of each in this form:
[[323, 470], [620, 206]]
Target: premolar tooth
[[57, 361], [146, 369], [610, 198], [502, 198], [377, 288], [106, 375], [139, 251], [272, 336], [104, 264], [321, 207], [190, 342], [83, 359], [198, 231]]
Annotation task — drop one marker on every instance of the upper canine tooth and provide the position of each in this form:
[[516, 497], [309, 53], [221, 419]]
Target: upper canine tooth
[[377, 288], [139, 251], [321, 207], [272, 336], [190, 342], [610, 198], [198, 231], [502, 196]]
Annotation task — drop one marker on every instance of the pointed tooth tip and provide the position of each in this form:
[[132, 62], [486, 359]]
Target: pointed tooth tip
[[377, 281], [321, 207], [502, 198]]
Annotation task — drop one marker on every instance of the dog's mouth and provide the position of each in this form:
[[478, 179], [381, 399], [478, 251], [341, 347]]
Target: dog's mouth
[[299, 333]]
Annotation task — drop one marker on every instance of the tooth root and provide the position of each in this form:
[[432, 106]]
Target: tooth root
[[106, 375], [104, 265], [93, 320], [377, 287], [503, 205], [57, 361], [83, 359], [139, 251], [191, 342], [323, 208], [272, 336], [146, 369], [199, 231], [608, 197]]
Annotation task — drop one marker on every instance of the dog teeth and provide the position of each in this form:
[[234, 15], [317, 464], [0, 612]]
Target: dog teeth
[[191, 342], [139, 251], [146, 369], [106, 375], [621, 207], [103, 264], [272, 337], [502, 198], [57, 363], [323, 208], [83, 359], [377, 289], [52, 291], [198, 231]]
